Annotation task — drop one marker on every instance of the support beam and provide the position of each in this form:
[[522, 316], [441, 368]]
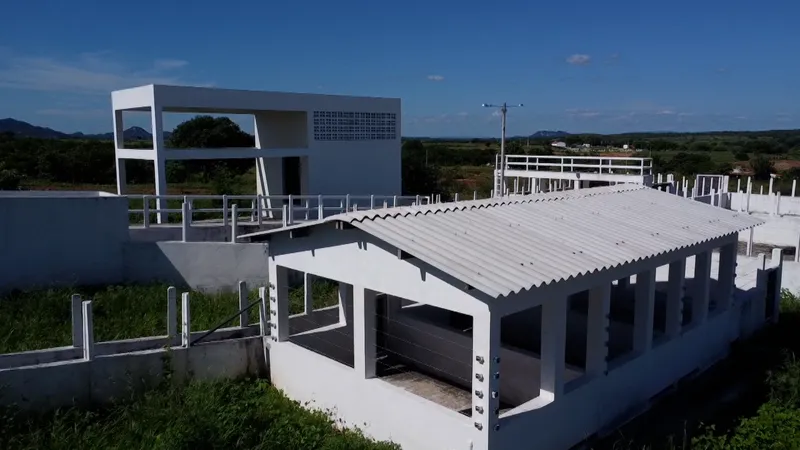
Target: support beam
[[644, 310], [160, 163], [597, 330], [675, 293], [308, 293], [486, 368], [364, 332], [345, 303], [701, 291], [279, 301], [119, 142], [553, 352], [726, 284]]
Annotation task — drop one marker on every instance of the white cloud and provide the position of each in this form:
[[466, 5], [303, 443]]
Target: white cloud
[[579, 59], [435, 77], [98, 73]]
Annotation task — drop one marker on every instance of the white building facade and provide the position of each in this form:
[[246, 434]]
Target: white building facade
[[305, 144], [550, 316]]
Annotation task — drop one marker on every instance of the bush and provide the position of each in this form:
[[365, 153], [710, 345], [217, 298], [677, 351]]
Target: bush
[[741, 155], [762, 167]]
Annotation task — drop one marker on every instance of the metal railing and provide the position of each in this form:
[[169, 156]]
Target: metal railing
[[260, 208], [589, 164]]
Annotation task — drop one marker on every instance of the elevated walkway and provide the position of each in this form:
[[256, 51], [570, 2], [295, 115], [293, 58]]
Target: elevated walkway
[[575, 171]]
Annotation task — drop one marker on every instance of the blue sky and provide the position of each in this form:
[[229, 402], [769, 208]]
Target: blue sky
[[579, 65]]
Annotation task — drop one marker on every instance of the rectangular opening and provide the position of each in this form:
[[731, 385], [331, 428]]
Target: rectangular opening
[[292, 176]]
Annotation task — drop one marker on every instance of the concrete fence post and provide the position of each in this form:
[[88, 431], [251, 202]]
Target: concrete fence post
[[77, 321], [244, 317], [320, 208], [146, 211], [88, 331], [455, 197], [739, 184], [394, 201], [234, 222], [417, 201], [372, 202], [259, 210], [778, 203], [750, 243], [263, 324], [771, 183], [308, 209], [797, 250], [794, 186], [224, 210], [285, 215], [475, 195], [186, 321], [186, 219], [290, 210], [173, 336], [347, 203], [749, 192]]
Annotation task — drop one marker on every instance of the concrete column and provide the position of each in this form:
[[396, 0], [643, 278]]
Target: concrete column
[[160, 162], [675, 294], [644, 310], [308, 293], [122, 176], [486, 368], [119, 142], [702, 279], [597, 330], [279, 301], [364, 332], [553, 352], [727, 275], [345, 303]]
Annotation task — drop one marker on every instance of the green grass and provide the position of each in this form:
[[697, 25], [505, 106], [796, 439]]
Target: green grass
[[41, 319], [243, 414]]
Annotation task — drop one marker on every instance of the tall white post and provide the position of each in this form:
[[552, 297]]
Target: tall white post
[[364, 332], [702, 283], [279, 301], [644, 311], [77, 321], [750, 243], [173, 335], [675, 293], [794, 187], [88, 331], [160, 161], [771, 182], [597, 330], [186, 320], [553, 351]]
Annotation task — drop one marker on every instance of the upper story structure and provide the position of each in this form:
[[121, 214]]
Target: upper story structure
[[305, 144]]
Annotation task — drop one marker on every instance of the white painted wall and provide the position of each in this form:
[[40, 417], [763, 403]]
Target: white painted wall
[[766, 203]]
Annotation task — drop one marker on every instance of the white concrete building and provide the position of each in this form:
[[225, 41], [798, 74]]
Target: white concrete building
[[305, 144], [536, 319]]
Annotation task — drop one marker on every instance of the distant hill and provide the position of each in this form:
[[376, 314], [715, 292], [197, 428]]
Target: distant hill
[[548, 134], [24, 129]]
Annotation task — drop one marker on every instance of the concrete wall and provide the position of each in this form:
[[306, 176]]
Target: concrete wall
[[117, 375], [200, 265], [766, 204], [61, 239]]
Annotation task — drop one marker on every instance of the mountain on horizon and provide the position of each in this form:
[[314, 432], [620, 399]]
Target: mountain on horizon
[[549, 134], [25, 129]]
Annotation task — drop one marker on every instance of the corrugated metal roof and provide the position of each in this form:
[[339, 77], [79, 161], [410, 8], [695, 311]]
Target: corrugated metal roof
[[506, 246]]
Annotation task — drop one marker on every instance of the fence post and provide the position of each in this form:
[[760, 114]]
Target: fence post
[[88, 331], [234, 222], [394, 201], [172, 316], [771, 182], [455, 197], [285, 215], [244, 318], [372, 201], [750, 243], [739, 184], [263, 326], [224, 210], [797, 250], [77, 321], [778, 203], [146, 211], [253, 210], [259, 210], [417, 201], [749, 191], [186, 321], [475, 194], [186, 211], [794, 186], [320, 208], [308, 208]]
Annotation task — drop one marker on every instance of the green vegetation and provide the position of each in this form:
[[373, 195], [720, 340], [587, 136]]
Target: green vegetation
[[244, 414], [42, 319]]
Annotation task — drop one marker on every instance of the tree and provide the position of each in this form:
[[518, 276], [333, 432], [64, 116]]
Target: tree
[[9, 179], [762, 167], [741, 155]]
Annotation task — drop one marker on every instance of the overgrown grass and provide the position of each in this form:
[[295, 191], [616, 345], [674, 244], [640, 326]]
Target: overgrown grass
[[41, 319], [245, 414]]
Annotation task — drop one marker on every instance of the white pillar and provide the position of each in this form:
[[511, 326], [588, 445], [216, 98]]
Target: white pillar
[[727, 275], [701, 292], [597, 330], [278, 301], [308, 293], [675, 294], [553, 351], [750, 243], [486, 368], [644, 310], [771, 181], [345, 303], [119, 142], [794, 186], [160, 162], [364, 332]]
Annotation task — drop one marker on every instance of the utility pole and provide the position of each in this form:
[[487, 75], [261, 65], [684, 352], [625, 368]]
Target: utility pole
[[503, 110]]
